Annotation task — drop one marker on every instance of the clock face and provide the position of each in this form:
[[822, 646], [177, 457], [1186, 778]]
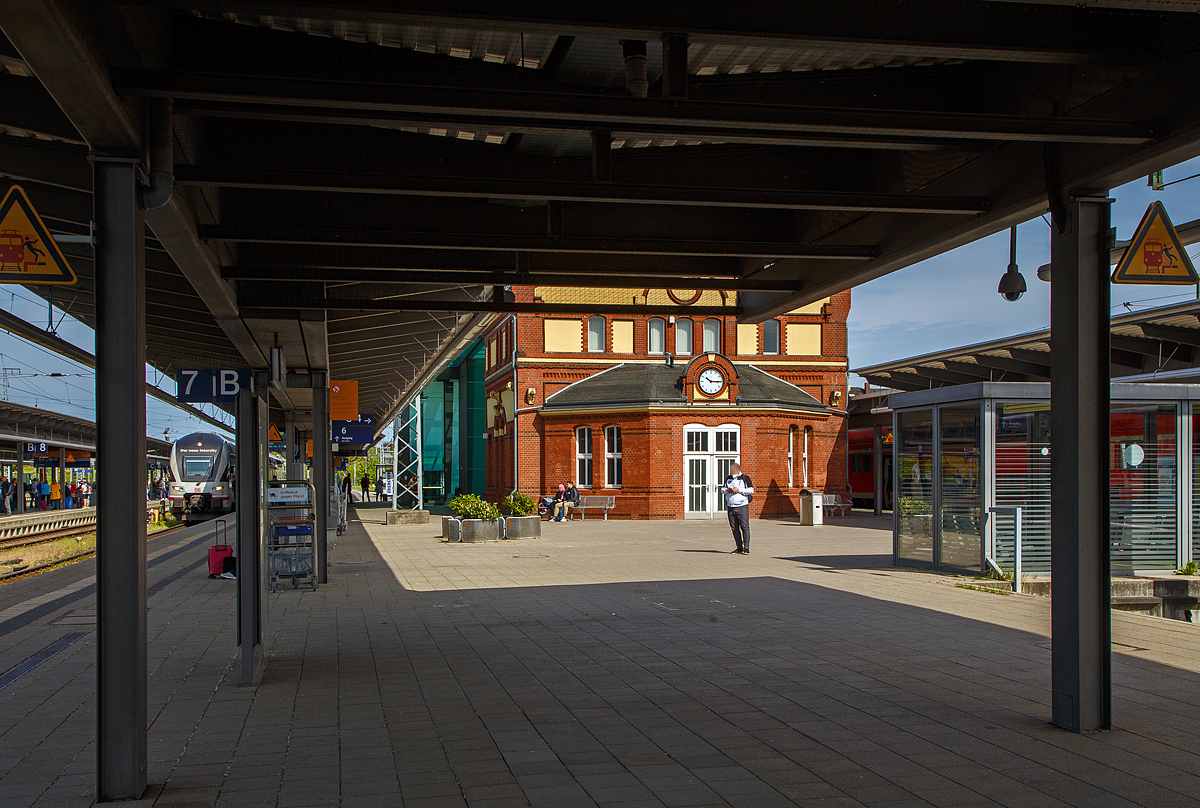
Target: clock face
[[711, 381]]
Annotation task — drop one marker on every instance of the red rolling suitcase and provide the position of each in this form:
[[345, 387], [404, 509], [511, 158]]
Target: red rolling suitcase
[[216, 559]]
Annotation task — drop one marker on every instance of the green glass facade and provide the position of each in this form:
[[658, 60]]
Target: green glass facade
[[452, 426]]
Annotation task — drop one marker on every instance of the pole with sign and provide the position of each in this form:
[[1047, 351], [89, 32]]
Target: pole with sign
[[1155, 254]]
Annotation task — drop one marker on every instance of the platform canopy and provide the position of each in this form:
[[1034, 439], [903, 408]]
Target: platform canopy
[[358, 181], [1159, 344]]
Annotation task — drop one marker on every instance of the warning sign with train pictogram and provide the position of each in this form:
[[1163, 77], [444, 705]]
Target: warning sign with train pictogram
[[28, 253], [1156, 254]]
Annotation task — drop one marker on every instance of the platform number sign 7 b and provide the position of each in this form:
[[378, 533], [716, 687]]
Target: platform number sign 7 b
[[207, 386]]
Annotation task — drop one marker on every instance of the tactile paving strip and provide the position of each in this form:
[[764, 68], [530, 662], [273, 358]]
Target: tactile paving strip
[[17, 671]]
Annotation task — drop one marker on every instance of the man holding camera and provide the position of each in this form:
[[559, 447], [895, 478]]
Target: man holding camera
[[739, 491]]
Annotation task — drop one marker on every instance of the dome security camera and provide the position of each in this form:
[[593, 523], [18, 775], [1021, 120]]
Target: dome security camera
[[1012, 284]]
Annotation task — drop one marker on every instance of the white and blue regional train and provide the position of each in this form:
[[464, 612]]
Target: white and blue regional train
[[202, 477]]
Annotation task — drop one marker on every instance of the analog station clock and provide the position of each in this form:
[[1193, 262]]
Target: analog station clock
[[711, 381]]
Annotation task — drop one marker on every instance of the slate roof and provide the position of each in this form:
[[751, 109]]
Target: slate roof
[[662, 385]]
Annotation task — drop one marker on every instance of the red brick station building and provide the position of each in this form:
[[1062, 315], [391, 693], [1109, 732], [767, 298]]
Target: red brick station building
[[654, 409]]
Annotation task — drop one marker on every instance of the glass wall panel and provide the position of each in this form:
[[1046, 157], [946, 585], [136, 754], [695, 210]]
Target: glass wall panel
[[1196, 482], [1142, 456], [914, 471], [1023, 480], [433, 442], [960, 502]]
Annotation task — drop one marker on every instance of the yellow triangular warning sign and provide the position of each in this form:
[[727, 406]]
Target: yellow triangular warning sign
[[1155, 254], [273, 434], [28, 253]]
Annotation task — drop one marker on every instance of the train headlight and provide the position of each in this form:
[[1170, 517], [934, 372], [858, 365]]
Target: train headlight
[[218, 488]]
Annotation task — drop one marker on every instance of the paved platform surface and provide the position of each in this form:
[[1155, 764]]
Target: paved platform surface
[[607, 663]]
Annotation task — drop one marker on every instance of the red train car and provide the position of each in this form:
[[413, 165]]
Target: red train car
[[862, 468]]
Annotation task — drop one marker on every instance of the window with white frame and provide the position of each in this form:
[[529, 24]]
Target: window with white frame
[[656, 337], [712, 336], [726, 440], [808, 431], [583, 457], [683, 336], [612, 457], [771, 337], [596, 341], [792, 457]]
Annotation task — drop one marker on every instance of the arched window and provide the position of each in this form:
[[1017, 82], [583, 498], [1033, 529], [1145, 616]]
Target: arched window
[[712, 335], [808, 431], [683, 336], [656, 341], [583, 457], [771, 337], [596, 330], [612, 457], [792, 457]]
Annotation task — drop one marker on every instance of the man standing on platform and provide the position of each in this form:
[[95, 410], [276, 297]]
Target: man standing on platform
[[739, 491]]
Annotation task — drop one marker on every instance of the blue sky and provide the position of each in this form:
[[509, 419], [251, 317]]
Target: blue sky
[[951, 300], [74, 393]]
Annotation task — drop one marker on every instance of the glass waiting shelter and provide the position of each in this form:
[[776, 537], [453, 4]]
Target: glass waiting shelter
[[962, 451]]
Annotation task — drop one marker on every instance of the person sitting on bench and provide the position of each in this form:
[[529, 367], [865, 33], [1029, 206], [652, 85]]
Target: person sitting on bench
[[567, 498]]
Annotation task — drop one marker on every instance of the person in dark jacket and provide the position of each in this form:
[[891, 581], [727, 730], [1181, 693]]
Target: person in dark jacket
[[570, 499], [366, 488]]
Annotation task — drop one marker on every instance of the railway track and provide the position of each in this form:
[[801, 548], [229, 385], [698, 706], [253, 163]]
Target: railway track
[[52, 535], [49, 535]]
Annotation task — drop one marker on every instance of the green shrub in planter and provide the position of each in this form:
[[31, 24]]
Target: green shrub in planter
[[470, 506], [518, 504]]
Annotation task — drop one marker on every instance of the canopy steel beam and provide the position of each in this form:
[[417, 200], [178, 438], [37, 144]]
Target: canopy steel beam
[[266, 308], [468, 105], [1172, 334], [953, 377], [900, 381], [468, 277], [1029, 33], [1016, 365], [527, 189], [530, 243]]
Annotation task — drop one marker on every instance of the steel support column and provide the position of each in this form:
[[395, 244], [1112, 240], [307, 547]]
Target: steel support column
[[877, 468], [322, 482], [1079, 472], [121, 676], [252, 467], [289, 446], [395, 464], [19, 504]]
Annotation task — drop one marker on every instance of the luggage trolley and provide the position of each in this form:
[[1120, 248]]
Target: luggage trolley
[[291, 506]]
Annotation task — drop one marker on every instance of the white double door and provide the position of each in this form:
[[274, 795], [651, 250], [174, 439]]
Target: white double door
[[708, 452]]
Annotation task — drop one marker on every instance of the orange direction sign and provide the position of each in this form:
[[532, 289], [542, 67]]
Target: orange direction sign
[[343, 400], [28, 253], [1156, 254]]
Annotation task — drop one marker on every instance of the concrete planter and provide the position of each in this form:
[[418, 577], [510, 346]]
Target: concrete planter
[[474, 530], [523, 527], [451, 529]]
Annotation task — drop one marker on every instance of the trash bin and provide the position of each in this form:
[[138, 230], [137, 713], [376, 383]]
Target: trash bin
[[812, 507]]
